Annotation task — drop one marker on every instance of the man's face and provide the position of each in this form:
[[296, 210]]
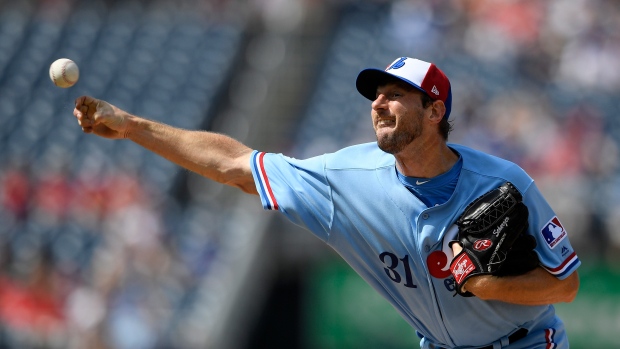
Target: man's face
[[397, 115]]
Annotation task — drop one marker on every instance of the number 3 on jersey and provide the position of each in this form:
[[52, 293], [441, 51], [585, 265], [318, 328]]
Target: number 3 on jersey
[[391, 262]]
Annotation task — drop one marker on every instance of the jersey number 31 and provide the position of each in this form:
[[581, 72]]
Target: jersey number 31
[[391, 262]]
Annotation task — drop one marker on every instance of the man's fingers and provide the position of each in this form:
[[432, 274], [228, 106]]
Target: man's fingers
[[84, 100], [82, 117], [97, 117], [79, 101], [86, 105]]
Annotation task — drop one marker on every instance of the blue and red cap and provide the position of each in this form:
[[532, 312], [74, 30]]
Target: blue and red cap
[[422, 75]]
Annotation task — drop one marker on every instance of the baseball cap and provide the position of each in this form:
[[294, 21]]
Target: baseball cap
[[422, 75]]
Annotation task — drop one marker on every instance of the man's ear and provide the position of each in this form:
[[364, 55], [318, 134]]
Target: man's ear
[[438, 109]]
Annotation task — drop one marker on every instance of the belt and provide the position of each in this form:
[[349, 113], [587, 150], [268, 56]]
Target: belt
[[519, 334]]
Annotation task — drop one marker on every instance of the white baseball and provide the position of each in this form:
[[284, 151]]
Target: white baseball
[[64, 72]]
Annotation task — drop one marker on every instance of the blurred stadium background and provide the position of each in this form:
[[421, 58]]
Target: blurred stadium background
[[104, 245]]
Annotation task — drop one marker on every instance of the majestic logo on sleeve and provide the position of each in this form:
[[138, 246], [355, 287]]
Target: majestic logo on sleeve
[[553, 232], [565, 251]]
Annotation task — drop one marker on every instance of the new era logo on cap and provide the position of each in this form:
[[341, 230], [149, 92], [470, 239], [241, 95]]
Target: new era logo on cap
[[422, 75]]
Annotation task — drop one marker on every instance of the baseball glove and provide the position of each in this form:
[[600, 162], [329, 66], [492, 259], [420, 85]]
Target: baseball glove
[[521, 258], [488, 229]]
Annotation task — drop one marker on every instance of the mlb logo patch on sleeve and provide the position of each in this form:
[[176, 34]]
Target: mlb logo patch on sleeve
[[553, 232]]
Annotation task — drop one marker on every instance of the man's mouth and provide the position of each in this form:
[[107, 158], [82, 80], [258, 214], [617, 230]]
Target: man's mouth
[[386, 123]]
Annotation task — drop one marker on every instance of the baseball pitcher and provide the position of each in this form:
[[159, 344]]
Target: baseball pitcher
[[461, 243]]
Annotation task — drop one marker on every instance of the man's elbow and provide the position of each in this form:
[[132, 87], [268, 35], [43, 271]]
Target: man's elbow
[[238, 174], [248, 188], [245, 183], [571, 287]]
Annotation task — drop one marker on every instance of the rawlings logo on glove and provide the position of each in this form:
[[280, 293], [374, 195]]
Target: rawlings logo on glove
[[482, 244]]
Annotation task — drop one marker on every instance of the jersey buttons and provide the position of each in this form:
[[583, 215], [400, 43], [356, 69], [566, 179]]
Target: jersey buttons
[[425, 216]]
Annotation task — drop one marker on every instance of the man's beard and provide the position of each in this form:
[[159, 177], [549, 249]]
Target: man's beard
[[394, 143], [400, 138]]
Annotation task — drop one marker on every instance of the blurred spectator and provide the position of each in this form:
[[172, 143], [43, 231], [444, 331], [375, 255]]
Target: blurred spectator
[[31, 306], [15, 191], [588, 59], [51, 196], [499, 29]]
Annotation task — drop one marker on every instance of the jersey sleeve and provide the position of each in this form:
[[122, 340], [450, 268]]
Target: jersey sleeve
[[556, 254], [297, 188]]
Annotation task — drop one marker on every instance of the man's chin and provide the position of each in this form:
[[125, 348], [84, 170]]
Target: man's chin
[[388, 147], [393, 143]]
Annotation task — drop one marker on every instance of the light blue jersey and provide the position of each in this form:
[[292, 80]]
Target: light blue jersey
[[354, 202]]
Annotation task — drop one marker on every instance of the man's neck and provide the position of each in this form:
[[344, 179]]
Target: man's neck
[[426, 160]]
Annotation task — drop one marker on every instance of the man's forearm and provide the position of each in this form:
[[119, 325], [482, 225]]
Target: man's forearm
[[215, 156], [537, 287]]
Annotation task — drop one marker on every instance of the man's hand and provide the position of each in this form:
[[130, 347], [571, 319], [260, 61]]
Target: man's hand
[[101, 118], [456, 249]]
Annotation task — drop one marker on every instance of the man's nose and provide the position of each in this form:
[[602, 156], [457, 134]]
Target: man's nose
[[380, 102]]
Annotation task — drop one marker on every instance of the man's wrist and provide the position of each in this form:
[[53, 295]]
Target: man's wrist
[[477, 283], [132, 123]]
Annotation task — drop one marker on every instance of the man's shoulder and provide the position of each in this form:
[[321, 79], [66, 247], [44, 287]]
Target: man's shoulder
[[364, 156], [476, 158], [485, 164]]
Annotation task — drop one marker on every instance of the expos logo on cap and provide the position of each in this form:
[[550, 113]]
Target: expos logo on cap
[[422, 75]]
